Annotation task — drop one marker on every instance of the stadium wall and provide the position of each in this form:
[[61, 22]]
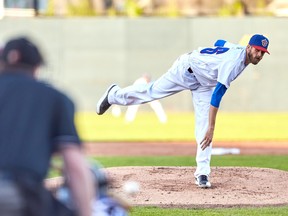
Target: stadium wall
[[85, 55]]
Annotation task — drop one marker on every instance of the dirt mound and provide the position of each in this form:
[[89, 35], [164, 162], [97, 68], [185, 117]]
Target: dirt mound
[[175, 187]]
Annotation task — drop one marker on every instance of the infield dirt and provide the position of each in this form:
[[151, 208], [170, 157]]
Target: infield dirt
[[174, 186]]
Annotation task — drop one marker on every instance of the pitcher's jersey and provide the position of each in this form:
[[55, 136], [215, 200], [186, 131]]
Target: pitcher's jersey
[[217, 64]]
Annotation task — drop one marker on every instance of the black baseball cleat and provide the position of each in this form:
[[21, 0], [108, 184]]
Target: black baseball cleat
[[202, 181], [103, 104]]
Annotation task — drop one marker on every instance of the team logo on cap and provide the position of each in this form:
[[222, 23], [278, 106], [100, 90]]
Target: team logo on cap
[[264, 43]]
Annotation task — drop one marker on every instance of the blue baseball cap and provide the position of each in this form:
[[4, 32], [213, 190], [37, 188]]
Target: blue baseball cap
[[259, 42]]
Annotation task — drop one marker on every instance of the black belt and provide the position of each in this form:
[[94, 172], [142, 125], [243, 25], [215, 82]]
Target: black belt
[[190, 70]]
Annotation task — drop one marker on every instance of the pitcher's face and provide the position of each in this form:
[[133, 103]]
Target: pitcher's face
[[254, 55]]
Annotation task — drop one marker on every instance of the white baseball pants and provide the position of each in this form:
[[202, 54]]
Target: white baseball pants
[[176, 79]]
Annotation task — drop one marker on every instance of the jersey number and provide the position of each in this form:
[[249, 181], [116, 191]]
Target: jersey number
[[217, 50]]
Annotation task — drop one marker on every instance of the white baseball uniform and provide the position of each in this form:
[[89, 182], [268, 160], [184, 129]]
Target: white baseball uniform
[[209, 66], [155, 105]]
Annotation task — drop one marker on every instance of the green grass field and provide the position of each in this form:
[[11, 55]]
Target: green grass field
[[277, 211], [263, 161], [180, 127]]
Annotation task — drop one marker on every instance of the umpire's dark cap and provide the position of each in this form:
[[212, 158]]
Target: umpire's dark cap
[[29, 53]]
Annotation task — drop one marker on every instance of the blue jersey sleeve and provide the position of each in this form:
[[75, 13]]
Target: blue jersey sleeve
[[220, 43], [217, 95], [224, 43]]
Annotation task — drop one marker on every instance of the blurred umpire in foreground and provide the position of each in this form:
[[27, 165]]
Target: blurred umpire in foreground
[[36, 121]]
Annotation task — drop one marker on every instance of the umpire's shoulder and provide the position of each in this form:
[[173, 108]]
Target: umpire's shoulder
[[55, 92]]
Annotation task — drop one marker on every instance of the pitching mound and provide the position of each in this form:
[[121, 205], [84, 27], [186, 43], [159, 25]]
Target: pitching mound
[[174, 187]]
